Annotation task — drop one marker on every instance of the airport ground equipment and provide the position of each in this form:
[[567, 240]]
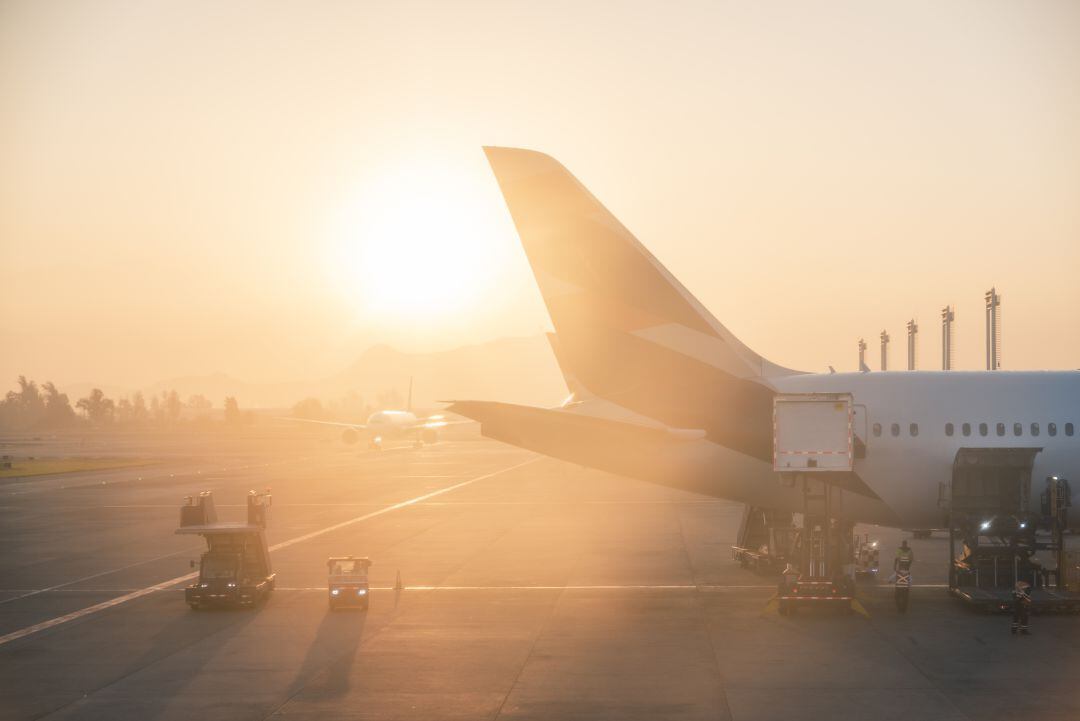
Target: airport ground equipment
[[995, 536], [347, 582], [867, 556], [235, 569], [814, 449], [765, 539]]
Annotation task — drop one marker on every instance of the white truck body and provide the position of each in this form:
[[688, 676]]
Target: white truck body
[[813, 432]]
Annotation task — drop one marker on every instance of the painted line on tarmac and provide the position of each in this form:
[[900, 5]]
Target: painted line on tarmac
[[105, 605], [608, 587], [60, 586]]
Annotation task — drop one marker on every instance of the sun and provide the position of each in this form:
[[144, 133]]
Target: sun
[[418, 240]]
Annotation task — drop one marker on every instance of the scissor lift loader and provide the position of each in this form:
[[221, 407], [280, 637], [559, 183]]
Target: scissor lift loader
[[813, 439]]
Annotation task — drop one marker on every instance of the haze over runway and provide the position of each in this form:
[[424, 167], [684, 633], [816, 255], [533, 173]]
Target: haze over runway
[[234, 237], [532, 589]]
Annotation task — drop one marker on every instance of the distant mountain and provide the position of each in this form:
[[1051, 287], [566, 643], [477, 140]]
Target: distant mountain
[[517, 370]]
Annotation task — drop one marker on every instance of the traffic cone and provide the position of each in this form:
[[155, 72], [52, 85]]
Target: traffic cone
[[398, 585]]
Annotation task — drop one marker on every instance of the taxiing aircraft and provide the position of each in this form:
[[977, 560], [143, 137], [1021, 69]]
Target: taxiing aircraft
[[662, 391], [388, 424]]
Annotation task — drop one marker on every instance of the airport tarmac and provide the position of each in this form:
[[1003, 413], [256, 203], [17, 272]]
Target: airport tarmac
[[533, 589]]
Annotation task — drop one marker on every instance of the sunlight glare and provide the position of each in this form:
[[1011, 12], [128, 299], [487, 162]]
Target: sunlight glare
[[416, 242]]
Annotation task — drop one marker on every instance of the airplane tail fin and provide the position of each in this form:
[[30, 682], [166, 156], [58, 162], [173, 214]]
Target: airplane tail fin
[[593, 273], [578, 391], [627, 330]]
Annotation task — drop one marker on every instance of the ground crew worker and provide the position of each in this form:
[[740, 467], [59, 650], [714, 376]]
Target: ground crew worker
[[904, 552], [903, 585], [1021, 606], [788, 579]]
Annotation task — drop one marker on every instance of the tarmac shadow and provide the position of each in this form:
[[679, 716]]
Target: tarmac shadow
[[326, 667]]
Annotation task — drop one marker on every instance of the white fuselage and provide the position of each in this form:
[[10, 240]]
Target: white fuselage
[[908, 463], [391, 423]]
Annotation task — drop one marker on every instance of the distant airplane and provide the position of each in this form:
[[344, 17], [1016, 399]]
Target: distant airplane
[[386, 424], [661, 391]]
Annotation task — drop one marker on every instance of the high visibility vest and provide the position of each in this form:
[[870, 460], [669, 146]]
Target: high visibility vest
[[903, 579]]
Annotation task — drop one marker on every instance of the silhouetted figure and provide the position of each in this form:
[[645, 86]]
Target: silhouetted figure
[[1021, 607]]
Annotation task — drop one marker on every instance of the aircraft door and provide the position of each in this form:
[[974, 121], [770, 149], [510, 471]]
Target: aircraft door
[[861, 424]]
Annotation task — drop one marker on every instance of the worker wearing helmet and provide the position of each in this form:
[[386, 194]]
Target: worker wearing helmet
[[1021, 606], [905, 554]]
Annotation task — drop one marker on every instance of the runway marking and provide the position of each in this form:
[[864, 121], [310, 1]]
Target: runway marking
[[586, 587], [96, 575], [613, 502], [105, 605], [172, 506]]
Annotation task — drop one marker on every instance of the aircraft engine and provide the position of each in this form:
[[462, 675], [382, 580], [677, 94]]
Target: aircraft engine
[[350, 436]]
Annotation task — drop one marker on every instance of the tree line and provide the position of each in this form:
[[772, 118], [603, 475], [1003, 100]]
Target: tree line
[[45, 407]]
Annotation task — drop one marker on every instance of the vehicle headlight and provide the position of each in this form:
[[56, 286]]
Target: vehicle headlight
[[231, 584], [204, 585], [335, 591], [361, 592]]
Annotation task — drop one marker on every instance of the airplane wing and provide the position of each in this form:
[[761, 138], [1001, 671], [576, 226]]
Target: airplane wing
[[354, 426], [435, 422]]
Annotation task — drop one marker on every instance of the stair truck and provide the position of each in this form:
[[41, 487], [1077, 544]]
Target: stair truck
[[235, 570]]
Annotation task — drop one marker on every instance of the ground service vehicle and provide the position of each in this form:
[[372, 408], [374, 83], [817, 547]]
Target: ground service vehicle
[[235, 569], [347, 584]]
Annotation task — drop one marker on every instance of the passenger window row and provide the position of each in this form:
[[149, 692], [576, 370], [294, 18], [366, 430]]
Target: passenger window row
[[894, 430], [1017, 429], [983, 429]]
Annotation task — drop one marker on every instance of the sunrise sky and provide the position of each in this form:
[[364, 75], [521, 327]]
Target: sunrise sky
[[268, 188]]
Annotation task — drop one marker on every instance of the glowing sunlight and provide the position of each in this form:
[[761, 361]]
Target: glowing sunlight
[[417, 241]]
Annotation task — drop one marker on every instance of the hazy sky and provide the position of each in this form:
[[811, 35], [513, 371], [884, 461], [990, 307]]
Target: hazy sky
[[266, 188]]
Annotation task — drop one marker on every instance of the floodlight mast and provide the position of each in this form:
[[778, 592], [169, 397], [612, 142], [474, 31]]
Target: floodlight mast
[[912, 334], [993, 330], [948, 315]]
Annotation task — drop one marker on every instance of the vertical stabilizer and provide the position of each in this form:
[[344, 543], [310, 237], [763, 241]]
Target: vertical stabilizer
[[627, 330]]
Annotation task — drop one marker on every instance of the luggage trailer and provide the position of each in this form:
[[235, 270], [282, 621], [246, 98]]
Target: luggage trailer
[[235, 570]]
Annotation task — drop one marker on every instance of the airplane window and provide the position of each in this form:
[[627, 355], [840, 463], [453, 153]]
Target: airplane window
[[1051, 428], [895, 429], [1001, 429], [877, 430], [1069, 429], [1034, 429], [1018, 429], [913, 429], [948, 429], [966, 429], [983, 430]]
